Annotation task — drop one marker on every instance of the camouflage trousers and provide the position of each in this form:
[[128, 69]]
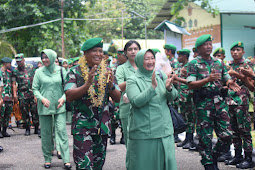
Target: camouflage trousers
[[188, 111], [213, 115], [27, 105], [89, 151], [240, 120], [6, 111]]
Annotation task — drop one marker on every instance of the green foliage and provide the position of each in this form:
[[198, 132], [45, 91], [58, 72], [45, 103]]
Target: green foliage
[[180, 4]]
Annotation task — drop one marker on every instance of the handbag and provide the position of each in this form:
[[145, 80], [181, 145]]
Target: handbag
[[178, 122], [68, 104]]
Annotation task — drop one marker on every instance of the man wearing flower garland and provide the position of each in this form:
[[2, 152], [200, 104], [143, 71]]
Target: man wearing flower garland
[[86, 87]]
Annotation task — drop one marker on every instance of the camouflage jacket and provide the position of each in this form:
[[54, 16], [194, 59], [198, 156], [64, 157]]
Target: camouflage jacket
[[184, 94], [174, 63], [24, 78], [241, 97], [86, 117], [7, 85], [199, 69]]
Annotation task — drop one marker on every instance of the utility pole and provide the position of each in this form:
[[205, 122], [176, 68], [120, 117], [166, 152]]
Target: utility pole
[[62, 28], [145, 25]]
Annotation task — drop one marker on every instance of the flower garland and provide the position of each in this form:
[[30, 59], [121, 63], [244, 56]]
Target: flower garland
[[96, 99]]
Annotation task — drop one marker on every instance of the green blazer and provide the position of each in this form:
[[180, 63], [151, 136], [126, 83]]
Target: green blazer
[[49, 85], [122, 73], [150, 116]]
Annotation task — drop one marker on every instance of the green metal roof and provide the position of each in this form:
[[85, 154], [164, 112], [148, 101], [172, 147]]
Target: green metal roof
[[172, 27]]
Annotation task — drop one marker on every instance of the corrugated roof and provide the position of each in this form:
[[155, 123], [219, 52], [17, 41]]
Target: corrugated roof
[[172, 27]]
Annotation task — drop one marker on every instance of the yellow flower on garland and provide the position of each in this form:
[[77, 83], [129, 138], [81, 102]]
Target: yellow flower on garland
[[96, 98]]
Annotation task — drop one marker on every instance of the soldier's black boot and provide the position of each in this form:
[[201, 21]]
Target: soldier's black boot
[[247, 162], [113, 136], [176, 138], [209, 167], [215, 160], [238, 158], [189, 141], [5, 134], [1, 135], [36, 130], [1, 148], [183, 142], [27, 133], [122, 139], [225, 156]]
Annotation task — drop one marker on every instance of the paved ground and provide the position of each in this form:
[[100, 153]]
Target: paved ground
[[24, 153]]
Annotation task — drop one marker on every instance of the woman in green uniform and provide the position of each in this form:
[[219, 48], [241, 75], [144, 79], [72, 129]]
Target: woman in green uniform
[[150, 129], [122, 73], [48, 89]]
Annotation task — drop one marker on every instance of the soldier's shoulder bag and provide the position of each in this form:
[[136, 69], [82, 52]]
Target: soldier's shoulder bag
[[179, 124]]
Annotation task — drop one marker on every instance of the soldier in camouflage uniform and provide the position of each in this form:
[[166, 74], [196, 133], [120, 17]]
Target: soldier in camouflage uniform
[[206, 76], [85, 86], [7, 95], [170, 50], [1, 102], [185, 98], [238, 108], [23, 75]]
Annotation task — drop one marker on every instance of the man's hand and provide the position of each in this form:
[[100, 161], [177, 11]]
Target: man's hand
[[46, 102], [15, 99], [61, 102], [1, 103], [247, 72], [232, 85], [92, 74], [214, 77], [111, 80]]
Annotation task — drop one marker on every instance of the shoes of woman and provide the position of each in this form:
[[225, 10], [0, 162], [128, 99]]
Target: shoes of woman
[[47, 165], [59, 155], [68, 166]]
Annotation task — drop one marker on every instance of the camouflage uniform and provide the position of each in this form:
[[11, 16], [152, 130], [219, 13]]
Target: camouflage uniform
[[186, 104], [238, 109], [212, 110], [24, 78], [7, 98], [89, 147]]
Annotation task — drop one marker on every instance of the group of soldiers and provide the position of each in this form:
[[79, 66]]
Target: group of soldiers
[[214, 95]]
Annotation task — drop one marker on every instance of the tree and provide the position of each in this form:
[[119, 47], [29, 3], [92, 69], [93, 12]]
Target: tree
[[6, 49], [31, 41]]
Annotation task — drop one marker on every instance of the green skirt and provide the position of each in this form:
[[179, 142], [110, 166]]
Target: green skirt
[[151, 154]]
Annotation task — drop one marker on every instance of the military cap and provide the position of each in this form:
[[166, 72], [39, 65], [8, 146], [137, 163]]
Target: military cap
[[155, 50], [75, 59], [219, 50], [105, 52], [169, 47], [120, 51], [19, 57], [70, 61], [91, 43], [194, 49], [184, 51], [237, 44], [202, 39], [6, 60]]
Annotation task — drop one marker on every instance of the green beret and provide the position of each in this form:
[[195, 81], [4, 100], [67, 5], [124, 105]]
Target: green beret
[[184, 51], [120, 51], [91, 43], [237, 44], [6, 60], [75, 59], [169, 47], [194, 49], [155, 50], [19, 57], [219, 50], [202, 39]]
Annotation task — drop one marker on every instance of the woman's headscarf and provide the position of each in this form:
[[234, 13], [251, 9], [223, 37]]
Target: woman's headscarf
[[52, 55], [139, 59]]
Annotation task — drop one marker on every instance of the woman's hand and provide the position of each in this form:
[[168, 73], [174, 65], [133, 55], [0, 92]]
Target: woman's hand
[[46, 102], [61, 102], [169, 82], [154, 82], [125, 98]]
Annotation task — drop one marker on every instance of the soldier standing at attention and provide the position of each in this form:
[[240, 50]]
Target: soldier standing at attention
[[206, 76], [85, 86], [9, 91], [23, 75], [238, 108], [185, 98]]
